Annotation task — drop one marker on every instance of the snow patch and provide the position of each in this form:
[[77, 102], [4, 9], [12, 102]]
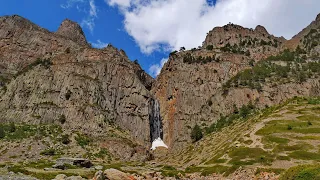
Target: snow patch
[[158, 143]]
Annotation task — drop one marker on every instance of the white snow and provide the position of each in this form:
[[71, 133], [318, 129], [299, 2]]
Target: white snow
[[158, 143]]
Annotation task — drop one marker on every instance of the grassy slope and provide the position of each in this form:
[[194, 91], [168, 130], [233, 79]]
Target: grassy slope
[[274, 139]]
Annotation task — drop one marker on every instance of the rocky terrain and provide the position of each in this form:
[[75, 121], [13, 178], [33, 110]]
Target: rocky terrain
[[199, 86], [243, 106], [50, 76]]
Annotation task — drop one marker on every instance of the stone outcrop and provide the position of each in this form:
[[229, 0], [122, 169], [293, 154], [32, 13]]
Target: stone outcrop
[[191, 92], [71, 30], [91, 89], [258, 42], [80, 162], [114, 174]]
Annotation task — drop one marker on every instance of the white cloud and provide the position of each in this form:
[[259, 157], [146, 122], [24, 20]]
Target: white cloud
[[99, 44], [155, 69], [70, 3], [159, 25], [90, 10], [93, 8], [121, 3]]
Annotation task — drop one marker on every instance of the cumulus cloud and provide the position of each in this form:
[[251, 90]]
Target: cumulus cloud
[[170, 24], [90, 9], [155, 69], [99, 44]]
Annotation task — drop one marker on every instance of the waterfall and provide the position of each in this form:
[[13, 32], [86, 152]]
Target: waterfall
[[155, 120], [156, 131]]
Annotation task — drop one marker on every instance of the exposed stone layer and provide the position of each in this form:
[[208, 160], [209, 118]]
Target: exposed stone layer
[[88, 87]]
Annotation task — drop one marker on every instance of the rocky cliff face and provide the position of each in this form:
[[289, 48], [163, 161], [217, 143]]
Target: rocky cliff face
[[71, 30], [192, 84], [89, 89], [257, 43], [56, 77]]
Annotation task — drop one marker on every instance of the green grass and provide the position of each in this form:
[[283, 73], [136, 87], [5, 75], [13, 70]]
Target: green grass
[[281, 126], [23, 131], [309, 118], [205, 171], [45, 175], [82, 140], [170, 171], [305, 155], [250, 156], [302, 172], [275, 139], [314, 101], [269, 170], [307, 137], [296, 147], [40, 164], [286, 158]]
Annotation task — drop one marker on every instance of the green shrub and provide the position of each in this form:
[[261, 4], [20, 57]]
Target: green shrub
[[196, 133], [2, 133], [209, 47], [62, 119], [12, 127], [65, 139], [82, 140], [45, 62], [302, 172], [48, 152]]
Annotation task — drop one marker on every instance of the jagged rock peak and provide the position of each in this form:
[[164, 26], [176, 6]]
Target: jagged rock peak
[[261, 29], [73, 31], [318, 17], [18, 21]]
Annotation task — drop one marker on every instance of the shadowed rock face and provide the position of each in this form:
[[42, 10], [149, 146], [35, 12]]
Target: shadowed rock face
[[91, 88]]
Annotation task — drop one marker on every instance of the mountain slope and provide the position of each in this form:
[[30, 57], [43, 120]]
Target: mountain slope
[[47, 76], [199, 86]]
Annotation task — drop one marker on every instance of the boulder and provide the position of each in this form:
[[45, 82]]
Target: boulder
[[60, 177], [114, 174], [99, 176], [61, 162]]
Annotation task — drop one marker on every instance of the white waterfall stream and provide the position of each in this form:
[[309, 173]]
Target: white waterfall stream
[[156, 131]]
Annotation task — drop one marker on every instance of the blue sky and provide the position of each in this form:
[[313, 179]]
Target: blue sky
[[108, 24], [148, 30]]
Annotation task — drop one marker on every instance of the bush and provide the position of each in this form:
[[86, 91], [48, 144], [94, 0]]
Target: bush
[[209, 47], [48, 152], [12, 127], [196, 133], [2, 133], [302, 172], [68, 94], [82, 140], [65, 139], [62, 119], [289, 127], [67, 50], [173, 53], [45, 62]]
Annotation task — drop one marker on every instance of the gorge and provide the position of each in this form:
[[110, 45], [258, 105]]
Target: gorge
[[244, 103]]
